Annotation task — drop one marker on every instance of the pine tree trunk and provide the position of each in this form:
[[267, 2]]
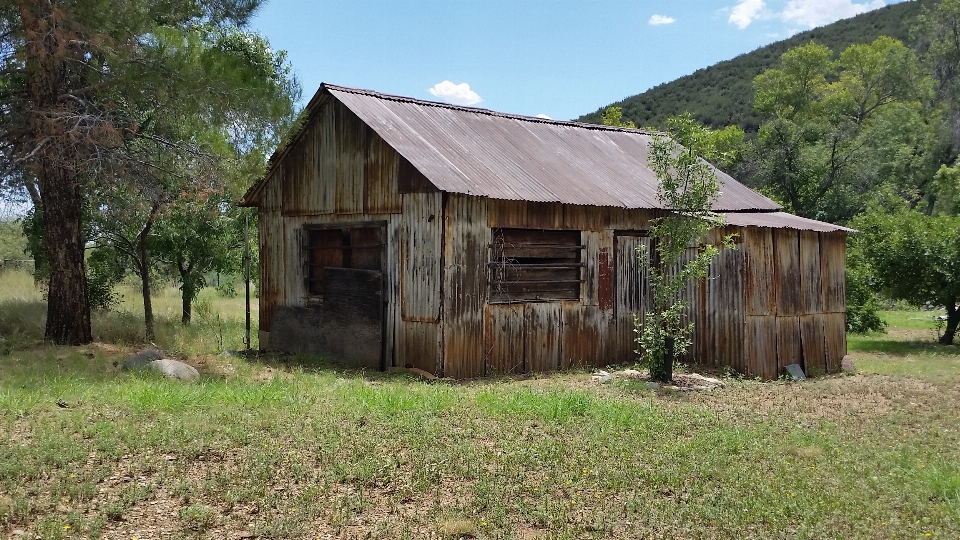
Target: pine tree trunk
[[68, 305], [54, 164]]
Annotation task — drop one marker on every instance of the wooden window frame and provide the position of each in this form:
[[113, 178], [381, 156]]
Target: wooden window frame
[[535, 265]]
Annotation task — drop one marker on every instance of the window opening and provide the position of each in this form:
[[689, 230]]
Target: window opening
[[357, 247], [534, 265]]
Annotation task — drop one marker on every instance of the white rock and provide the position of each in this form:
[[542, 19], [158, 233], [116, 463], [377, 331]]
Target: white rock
[[174, 369], [602, 377]]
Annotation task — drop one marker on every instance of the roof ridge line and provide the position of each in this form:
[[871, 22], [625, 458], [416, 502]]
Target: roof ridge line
[[487, 112]]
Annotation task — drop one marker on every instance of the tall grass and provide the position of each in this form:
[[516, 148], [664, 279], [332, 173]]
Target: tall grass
[[218, 323]]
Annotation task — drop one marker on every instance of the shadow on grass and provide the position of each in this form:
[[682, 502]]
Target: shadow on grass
[[893, 347]]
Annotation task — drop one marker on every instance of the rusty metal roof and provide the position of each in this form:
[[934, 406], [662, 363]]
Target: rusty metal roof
[[781, 220], [503, 156]]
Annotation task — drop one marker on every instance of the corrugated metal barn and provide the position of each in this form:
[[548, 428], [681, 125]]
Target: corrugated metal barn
[[465, 242]]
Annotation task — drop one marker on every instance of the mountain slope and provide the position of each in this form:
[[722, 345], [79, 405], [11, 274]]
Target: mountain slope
[[722, 94]]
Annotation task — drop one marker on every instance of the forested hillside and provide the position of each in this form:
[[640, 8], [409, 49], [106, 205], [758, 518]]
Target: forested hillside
[[722, 94]]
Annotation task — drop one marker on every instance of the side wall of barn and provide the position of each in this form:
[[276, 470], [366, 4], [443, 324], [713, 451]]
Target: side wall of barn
[[339, 171], [777, 299]]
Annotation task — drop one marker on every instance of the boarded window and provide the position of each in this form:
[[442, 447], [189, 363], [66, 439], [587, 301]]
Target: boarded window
[[346, 247], [532, 265]]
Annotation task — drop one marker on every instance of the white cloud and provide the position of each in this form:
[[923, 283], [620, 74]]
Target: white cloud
[[456, 94], [657, 20], [746, 12], [813, 13], [545, 117]]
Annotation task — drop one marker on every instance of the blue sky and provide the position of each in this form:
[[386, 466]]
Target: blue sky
[[560, 58]]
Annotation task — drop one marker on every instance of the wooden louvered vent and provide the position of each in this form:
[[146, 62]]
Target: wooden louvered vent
[[533, 265]]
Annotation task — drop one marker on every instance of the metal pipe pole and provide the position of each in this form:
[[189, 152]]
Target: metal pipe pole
[[246, 272]]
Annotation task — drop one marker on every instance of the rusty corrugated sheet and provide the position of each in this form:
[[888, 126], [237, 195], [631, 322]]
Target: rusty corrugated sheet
[[835, 335], [419, 345], [810, 282], [833, 272], [780, 220], [760, 346], [466, 238], [789, 345], [582, 336], [814, 344], [503, 338], [541, 340], [786, 248], [760, 277], [422, 222], [380, 193], [480, 152]]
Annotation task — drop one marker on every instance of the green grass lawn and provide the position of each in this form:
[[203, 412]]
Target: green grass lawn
[[296, 448]]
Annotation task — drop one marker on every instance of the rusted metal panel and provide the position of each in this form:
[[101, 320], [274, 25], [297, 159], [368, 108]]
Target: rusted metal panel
[[726, 311], [422, 222], [833, 260], [271, 265], [591, 254], [780, 220], [503, 338], [582, 336], [605, 272], [501, 156], [541, 341], [585, 218], [351, 146], [814, 344], [524, 215], [810, 282], [759, 278], [466, 238], [419, 343], [835, 336], [328, 148], [789, 345], [294, 279], [761, 346], [380, 192], [293, 178], [786, 247], [410, 180]]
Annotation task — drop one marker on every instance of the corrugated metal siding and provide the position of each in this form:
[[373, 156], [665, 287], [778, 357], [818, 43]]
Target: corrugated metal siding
[[419, 344], [466, 241], [814, 344], [525, 215], [810, 282], [786, 248], [381, 167], [725, 310], [351, 146], [835, 335], [422, 222], [541, 343], [271, 266], [833, 272], [789, 344], [583, 337], [760, 275], [503, 338], [761, 346]]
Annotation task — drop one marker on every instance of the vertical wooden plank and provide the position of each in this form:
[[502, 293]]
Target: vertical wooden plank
[[503, 339], [833, 256], [810, 282], [789, 346], [759, 276], [581, 343], [351, 146], [814, 344], [422, 222], [541, 337], [786, 245], [465, 257], [327, 159], [761, 346], [835, 336], [381, 164]]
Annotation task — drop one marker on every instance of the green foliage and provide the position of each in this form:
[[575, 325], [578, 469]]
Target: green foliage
[[863, 306], [13, 243], [838, 129], [613, 116], [914, 257], [722, 95], [105, 269], [687, 189]]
